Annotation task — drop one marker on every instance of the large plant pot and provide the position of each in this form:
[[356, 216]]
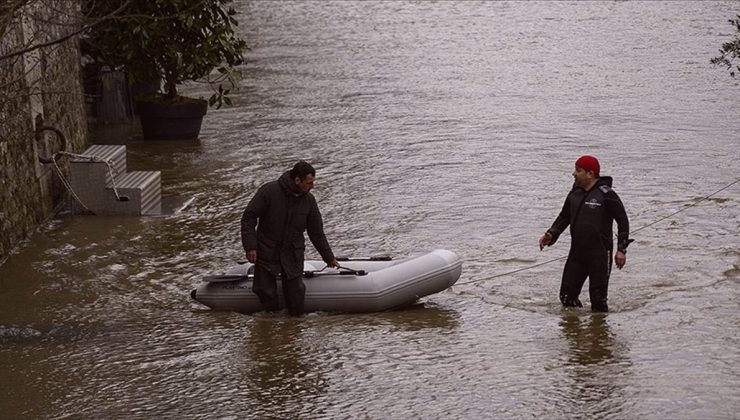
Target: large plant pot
[[167, 121]]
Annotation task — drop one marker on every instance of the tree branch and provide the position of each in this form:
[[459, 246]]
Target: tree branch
[[65, 37]]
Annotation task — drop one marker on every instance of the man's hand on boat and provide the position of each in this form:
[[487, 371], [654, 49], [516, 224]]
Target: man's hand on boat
[[252, 256]]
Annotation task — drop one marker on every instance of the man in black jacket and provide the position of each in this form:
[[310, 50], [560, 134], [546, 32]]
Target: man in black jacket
[[284, 209], [590, 209]]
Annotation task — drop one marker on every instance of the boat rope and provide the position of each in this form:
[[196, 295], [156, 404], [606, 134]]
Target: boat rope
[[88, 158], [69, 187], [694, 204], [689, 206], [93, 158]]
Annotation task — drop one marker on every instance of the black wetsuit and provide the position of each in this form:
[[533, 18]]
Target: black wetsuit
[[273, 223], [590, 215]]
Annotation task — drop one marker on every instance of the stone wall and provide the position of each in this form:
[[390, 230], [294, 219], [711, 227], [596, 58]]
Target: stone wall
[[39, 88]]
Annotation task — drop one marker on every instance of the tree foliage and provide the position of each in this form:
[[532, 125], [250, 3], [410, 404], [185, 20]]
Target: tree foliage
[[173, 40], [730, 50]]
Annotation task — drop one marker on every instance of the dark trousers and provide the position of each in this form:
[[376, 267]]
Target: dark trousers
[[596, 265], [265, 287]]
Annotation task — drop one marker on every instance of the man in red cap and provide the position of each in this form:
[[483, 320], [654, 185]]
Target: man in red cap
[[590, 209]]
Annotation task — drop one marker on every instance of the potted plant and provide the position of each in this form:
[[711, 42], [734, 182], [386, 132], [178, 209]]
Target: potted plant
[[170, 42]]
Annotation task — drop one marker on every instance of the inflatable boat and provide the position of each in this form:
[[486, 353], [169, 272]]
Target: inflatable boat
[[361, 285]]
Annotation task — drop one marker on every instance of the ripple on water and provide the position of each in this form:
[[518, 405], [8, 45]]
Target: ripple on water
[[432, 125]]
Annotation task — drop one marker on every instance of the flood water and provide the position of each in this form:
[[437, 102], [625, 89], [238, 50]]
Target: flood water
[[448, 125]]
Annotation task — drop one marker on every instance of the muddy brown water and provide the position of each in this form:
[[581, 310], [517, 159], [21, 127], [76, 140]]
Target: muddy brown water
[[433, 125]]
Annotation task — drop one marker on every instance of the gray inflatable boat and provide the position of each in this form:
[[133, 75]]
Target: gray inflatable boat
[[362, 285]]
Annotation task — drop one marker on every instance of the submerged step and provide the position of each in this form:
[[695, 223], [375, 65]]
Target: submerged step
[[104, 154], [99, 180], [143, 190]]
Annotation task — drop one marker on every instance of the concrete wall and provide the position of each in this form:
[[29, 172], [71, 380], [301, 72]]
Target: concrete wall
[[38, 88]]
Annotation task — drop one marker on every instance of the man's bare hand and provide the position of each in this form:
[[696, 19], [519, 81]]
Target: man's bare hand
[[545, 240], [620, 259], [252, 256]]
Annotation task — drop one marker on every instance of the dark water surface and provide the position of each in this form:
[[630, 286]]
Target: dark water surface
[[433, 125]]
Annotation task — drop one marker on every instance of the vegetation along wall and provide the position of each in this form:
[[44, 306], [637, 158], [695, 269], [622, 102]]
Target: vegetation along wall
[[40, 85]]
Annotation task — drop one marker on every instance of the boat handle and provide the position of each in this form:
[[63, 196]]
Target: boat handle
[[346, 271]]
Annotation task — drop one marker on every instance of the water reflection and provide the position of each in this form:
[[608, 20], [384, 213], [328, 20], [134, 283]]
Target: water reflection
[[277, 368], [417, 317], [394, 102], [288, 365], [590, 340], [595, 365]]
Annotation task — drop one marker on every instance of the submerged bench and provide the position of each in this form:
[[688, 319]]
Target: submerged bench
[[100, 180]]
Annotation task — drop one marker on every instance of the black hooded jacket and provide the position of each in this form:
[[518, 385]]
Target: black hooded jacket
[[284, 212], [590, 215]]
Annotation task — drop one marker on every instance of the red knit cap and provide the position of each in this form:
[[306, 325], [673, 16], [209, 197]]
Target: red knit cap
[[589, 163]]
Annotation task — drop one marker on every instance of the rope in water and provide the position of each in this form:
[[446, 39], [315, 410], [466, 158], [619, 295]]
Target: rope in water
[[689, 206], [633, 232]]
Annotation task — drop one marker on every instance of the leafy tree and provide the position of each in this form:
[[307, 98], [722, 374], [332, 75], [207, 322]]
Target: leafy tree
[[730, 50], [174, 40]]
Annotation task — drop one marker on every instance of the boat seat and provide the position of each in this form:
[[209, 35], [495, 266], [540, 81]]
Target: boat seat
[[307, 266]]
